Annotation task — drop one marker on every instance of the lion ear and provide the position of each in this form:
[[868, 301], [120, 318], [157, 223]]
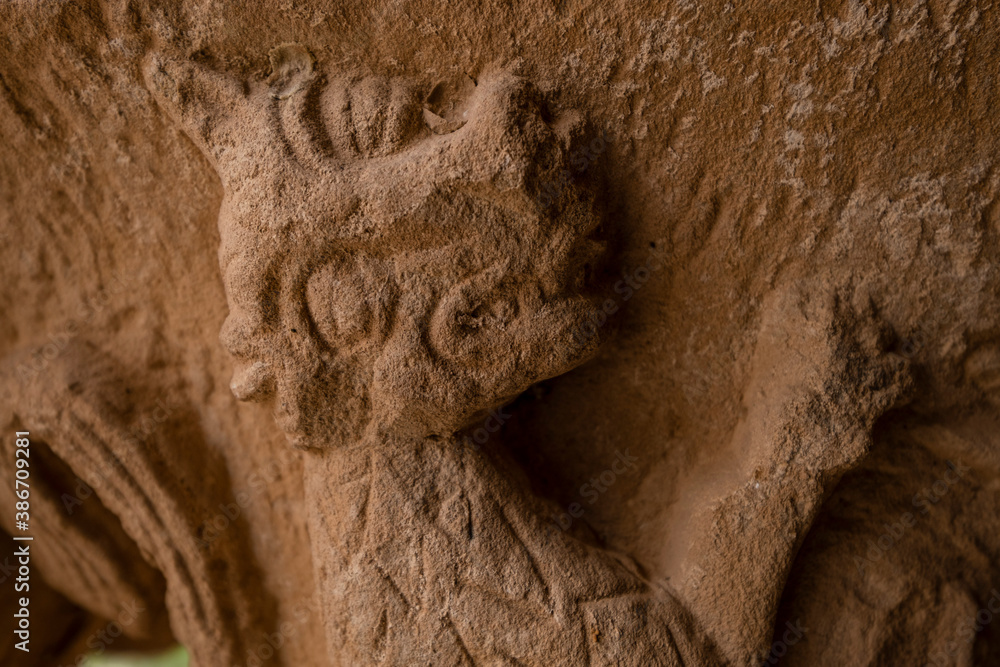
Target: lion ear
[[207, 104]]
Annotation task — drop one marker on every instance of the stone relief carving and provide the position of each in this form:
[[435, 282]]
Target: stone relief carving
[[384, 320], [402, 258], [381, 277]]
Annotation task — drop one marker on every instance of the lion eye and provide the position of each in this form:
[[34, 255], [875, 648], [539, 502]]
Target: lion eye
[[348, 303]]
